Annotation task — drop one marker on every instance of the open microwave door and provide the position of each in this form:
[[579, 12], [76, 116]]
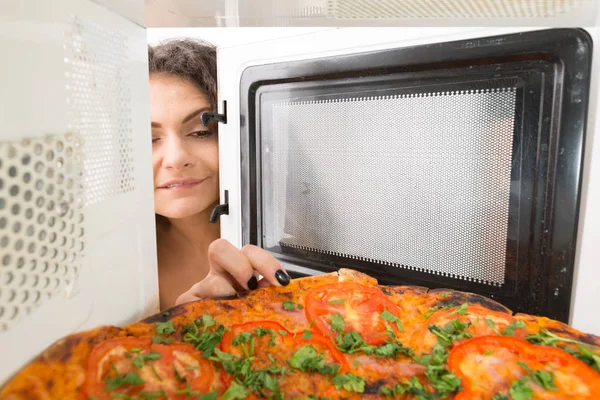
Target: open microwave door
[[434, 157], [77, 242]]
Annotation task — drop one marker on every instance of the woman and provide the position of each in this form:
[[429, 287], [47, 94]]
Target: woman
[[193, 262]]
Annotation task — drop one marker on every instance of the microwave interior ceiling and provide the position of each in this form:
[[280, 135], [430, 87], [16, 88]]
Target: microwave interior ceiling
[[186, 13]]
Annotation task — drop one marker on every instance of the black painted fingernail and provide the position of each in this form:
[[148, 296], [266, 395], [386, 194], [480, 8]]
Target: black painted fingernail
[[282, 277], [252, 283]]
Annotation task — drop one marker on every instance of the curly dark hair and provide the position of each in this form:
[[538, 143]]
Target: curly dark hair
[[191, 59]]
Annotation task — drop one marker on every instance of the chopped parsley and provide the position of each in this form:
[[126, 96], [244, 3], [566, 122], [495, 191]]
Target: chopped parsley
[[128, 379], [462, 310], [260, 332], [349, 382], [235, 391], [165, 328], [151, 395], [242, 338], [187, 391], [492, 325], [510, 329], [520, 389], [413, 387], [391, 349], [204, 341], [155, 373], [337, 323], [141, 359], [247, 378], [290, 305], [208, 396], [441, 379], [307, 335], [547, 338], [454, 330], [178, 376], [306, 359], [353, 342], [207, 321], [543, 378], [583, 353], [336, 302], [437, 308], [388, 316], [587, 356], [160, 339]]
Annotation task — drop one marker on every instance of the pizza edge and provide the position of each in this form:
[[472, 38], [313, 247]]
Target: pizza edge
[[74, 349]]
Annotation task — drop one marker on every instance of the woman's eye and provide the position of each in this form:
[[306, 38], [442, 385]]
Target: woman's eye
[[155, 139], [200, 134]]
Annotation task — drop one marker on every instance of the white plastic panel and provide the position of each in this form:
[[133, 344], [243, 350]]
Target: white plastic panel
[[233, 61], [74, 111]]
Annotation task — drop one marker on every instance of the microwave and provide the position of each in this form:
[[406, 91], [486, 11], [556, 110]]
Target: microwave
[[462, 157], [439, 158]]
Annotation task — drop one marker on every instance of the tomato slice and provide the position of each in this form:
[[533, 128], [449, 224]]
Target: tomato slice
[[477, 321], [271, 346], [137, 367], [359, 306], [491, 365]]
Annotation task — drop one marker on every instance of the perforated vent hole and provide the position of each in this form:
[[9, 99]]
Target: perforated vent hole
[[97, 71], [35, 208], [368, 9]]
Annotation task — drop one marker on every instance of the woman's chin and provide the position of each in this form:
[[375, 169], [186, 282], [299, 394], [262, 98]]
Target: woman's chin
[[181, 213]]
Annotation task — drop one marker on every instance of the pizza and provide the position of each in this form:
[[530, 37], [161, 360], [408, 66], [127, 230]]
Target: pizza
[[332, 336]]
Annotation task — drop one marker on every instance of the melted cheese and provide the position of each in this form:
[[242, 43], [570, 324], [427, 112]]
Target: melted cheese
[[116, 353]]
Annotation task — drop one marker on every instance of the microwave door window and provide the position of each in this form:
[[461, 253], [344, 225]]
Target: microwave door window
[[416, 181]]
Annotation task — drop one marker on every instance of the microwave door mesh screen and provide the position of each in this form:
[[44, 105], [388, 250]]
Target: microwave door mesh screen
[[419, 182]]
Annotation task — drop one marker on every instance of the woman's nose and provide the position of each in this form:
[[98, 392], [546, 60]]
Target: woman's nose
[[176, 155]]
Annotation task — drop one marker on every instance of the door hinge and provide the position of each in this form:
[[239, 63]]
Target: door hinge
[[206, 117]]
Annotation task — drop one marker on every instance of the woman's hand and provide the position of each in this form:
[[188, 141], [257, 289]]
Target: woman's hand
[[233, 270]]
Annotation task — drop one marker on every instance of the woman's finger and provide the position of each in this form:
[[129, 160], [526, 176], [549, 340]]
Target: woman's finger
[[266, 265], [226, 260], [210, 287]]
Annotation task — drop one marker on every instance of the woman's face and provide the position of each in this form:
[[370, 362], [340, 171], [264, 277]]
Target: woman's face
[[185, 154]]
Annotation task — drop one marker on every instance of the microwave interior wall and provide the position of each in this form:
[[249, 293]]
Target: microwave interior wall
[[453, 165]]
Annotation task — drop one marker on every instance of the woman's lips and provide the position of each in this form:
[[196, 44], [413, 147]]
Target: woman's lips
[[181, 185]]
